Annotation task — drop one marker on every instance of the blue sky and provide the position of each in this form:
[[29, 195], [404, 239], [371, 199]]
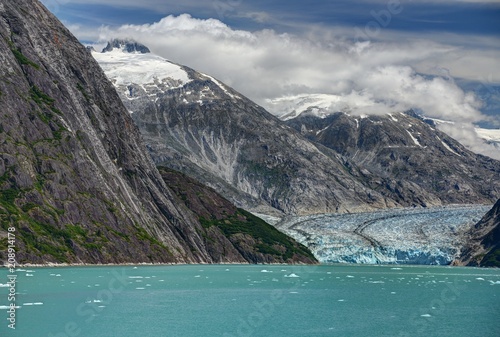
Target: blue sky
[[440, 57], [467, 17]]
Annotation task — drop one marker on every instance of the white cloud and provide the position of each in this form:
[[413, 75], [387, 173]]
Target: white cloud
[[369, 77]]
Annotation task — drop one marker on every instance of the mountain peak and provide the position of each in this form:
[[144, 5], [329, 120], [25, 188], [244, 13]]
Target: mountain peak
[[128, 46]]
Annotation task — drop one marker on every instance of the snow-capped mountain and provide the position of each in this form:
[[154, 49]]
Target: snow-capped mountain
[[329, 163], [196, 124], [406, 158], [324, 105]]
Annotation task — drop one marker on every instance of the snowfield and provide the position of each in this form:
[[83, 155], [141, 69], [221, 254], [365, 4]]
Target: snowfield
[[399, 236], [126, 68]]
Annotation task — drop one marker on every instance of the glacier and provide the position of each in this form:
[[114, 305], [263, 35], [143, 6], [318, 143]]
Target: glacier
[[430, 236]]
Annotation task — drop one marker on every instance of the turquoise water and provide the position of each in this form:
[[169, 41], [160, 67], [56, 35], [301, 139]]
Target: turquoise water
[[243, 300]]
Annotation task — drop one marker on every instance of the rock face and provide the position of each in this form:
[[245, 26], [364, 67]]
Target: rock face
[[405, 158], [195, 124], [231, 233], [483, 248], [76, 182]]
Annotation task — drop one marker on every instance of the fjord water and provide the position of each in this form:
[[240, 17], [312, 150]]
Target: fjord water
[[254, 300]]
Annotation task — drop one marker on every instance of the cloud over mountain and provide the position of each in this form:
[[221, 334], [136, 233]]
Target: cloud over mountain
[[364, 77]]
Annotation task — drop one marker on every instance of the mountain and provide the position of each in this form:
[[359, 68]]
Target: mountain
[[405, 158], [307, 162], [483, 248], [231, 233], [194, 123], [76, 182]]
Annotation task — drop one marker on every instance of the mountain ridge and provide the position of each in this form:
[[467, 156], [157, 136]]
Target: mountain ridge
[[207, 130]]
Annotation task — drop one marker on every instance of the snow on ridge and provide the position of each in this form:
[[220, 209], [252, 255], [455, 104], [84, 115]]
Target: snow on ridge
[[448, 147], [220, 85], [126, 68], [320, 105], [415, 140]]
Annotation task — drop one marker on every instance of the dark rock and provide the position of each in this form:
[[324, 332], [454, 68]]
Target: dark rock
[[129, 46], [483, 248], [230, 233]]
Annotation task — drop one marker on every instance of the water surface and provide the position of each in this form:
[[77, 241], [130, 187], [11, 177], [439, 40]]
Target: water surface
[[254, 300]]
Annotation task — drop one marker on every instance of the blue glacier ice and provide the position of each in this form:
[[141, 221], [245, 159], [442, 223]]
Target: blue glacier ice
[[431, 236]]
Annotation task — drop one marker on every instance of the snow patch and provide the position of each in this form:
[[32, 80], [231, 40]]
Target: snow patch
[[127, 68], [415, 140], [448, 147], [222, 86]]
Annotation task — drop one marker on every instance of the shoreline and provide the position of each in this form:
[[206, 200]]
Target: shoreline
[[149, 264]]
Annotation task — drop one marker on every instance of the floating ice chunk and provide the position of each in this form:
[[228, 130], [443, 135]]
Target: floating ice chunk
[[350, 276], [494, 282], [38, 303], [139, 288], [479, 278], [393, 292], [425, 315], [4, 285], [265, 271], [197, 275], [293, 292], [341, 300], [135, 277], [292, 275], [396, 268]]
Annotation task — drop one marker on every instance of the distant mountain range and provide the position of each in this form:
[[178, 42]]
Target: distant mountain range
[[309, 161]]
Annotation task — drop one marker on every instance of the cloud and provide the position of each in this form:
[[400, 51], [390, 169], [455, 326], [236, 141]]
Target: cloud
[[366, 76]]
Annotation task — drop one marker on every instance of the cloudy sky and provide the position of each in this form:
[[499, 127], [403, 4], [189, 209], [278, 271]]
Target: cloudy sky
[[440, 57]]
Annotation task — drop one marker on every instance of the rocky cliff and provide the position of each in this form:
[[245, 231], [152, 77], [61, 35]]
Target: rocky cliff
[[405, 158], [483, 248], [75, 180], [231, 233]]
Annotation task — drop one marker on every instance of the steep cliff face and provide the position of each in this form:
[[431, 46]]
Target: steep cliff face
[[406, 158], [231, 233], [483, 248], [76, 182], [193, 123]]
